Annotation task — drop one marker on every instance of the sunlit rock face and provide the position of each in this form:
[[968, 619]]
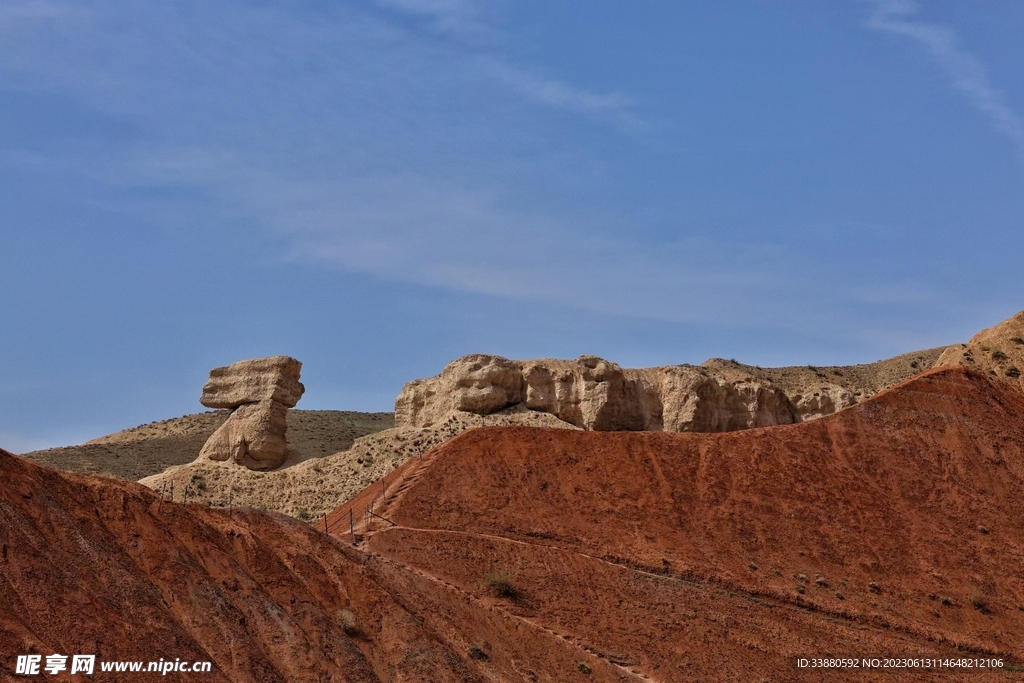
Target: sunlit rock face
[[259, 392], [596, 394]]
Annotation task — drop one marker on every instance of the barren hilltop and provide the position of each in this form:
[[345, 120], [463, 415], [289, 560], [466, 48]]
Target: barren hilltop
[[149, 449], [365, 446], [554, 520], [543, 554]]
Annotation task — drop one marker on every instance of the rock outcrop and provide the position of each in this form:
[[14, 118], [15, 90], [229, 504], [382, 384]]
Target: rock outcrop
[[259, 393], [595, 394], [998, 351], [821, 401]]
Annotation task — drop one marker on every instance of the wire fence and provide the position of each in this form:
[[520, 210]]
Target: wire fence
[[336, 522]]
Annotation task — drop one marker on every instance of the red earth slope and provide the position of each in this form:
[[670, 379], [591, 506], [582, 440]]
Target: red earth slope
[[891, 528], [894, 527], [96, 566]]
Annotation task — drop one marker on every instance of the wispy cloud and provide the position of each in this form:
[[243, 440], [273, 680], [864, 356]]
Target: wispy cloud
[[457, 16], [365, 146], [35, 9], [560, 95], [465, 20], [456, 240], [965, 71]]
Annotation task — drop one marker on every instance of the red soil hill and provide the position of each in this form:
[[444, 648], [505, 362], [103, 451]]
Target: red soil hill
[[96, 566], [894, 527], [513, 554]]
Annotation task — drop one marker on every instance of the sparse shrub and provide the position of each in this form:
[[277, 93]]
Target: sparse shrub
[[501, 582], [913, 364], [303, 514], [752, 566], [947, 602], [800, 589], [1017, 340], [874, 587], [979, 600], [478, 654], [347, 619], [583, 668], [839, 595], [821, 582], [999, 355], [1012, 372]]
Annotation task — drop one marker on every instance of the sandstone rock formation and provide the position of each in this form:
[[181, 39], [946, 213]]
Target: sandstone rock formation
[[998, 351], [596, 394], [259, 393], [819, 391], [829, 398]]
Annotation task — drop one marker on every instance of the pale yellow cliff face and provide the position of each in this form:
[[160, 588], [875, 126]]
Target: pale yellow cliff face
[[595, 394]]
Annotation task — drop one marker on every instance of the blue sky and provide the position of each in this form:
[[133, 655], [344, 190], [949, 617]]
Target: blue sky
[[378, 186]]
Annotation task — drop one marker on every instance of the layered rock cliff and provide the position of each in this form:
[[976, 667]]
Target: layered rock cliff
[[596, 394]]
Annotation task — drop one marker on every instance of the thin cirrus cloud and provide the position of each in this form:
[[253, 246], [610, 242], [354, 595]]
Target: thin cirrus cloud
[[964, 70], [615, 107], [464, 20], [456, 16], [221, 103], [408, 228], [34, 9]]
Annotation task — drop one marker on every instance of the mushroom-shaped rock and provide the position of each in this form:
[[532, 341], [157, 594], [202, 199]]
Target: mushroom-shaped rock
[[259, 392], [275, 378]]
